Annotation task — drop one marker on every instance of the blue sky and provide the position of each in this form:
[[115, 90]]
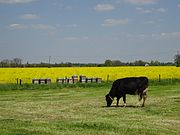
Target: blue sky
[[89, 30]]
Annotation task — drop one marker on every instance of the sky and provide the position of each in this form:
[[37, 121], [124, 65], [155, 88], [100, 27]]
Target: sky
[[89, 31]]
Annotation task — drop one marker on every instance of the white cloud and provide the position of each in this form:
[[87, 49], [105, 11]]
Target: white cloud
[[152, 10], [29, 16], [166, 35], [178, 5], [104, 7], [17, 26], [15, 1], [170, 34], [162, 10], [141, 2], [33, 26], [75, 38], [149, 22], [114, 22], [43, 27]]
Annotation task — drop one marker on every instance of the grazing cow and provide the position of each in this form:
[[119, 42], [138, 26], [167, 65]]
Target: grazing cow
[[132, 85]]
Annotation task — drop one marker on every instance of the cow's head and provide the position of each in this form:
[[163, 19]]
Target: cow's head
[[109, 100]]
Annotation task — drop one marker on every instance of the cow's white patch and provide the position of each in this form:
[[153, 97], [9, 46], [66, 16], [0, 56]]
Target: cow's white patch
[[138, 104]]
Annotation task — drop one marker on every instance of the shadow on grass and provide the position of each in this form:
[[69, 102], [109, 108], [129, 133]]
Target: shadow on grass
[[122, 106]]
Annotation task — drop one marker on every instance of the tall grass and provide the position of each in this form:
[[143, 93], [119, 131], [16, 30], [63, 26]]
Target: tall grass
[[104, 84]]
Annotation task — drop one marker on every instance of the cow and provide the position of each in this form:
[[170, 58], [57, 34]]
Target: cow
[[130, 85]]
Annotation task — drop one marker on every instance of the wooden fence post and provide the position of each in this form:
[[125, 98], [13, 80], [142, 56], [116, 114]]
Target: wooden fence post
[[17, 81], [20, 82], [107, 78], [159, 77]]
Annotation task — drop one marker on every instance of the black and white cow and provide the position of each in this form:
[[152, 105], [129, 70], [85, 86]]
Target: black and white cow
[[131, 85]]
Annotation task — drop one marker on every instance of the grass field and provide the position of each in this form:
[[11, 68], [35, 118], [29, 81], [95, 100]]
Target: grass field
[[82, 111]]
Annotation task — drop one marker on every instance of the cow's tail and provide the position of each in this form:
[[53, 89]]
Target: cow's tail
[[145, 91]]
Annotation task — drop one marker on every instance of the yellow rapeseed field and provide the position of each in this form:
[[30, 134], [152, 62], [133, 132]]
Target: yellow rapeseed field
[[9, 75]]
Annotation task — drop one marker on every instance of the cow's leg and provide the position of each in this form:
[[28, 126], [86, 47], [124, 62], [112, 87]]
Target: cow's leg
[[118, 98], [139, 100], [140, 97], [124, 99], [144, 98]]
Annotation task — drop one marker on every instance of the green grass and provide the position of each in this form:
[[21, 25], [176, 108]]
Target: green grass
[[104, 84], [80, 110]]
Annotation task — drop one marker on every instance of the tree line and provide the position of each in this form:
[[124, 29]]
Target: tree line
[[17, 62]]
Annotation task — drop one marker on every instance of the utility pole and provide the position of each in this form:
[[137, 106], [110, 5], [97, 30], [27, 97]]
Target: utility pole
[[49, 60]]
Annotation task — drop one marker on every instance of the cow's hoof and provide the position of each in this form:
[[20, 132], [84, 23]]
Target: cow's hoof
[[124, 105]]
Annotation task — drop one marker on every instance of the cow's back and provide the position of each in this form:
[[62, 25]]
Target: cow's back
[[128, 85]]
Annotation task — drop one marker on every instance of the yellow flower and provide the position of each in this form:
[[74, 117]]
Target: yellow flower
[[10, 75]]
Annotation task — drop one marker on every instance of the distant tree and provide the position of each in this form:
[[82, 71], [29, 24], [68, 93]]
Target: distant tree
[[155, 63], [139, 63], [69, 64], [108, 63], [117, 63], [17, 61], [6, 63], [177, 59]]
